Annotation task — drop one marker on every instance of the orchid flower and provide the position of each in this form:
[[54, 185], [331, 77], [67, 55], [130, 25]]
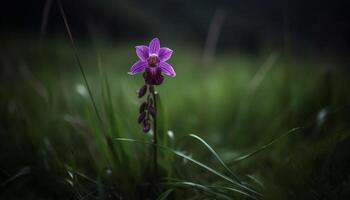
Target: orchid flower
[[153, 63]]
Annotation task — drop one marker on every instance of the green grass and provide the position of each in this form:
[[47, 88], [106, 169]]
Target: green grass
[[53, 140]]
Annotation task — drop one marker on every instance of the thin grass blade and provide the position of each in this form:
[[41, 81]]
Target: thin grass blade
[[104, 131], [165, 194], [216, 155], [241, 158], [178, 153], [200, 187], [20, 173], [217, 187]]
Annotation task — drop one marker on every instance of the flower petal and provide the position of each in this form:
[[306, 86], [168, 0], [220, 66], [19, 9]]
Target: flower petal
[[164, 54], [142, 52], [154, 46], [138, 67], [167, 69]]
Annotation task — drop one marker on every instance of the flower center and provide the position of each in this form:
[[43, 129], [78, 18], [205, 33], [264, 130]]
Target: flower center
[[153, 61]]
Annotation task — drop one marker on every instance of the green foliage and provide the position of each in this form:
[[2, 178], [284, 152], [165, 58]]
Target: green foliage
[[239, 107]]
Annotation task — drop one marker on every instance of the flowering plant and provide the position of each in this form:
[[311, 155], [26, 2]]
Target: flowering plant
[[152, 63]]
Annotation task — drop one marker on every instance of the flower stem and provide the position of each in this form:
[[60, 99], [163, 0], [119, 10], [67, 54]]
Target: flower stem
[[155, 142]]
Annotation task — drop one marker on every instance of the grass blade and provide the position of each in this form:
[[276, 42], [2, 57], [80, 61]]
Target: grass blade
[[178, 153], [234, 190], [217, 187], [266, 145], [107, 137], [198, 186], [216, 155], [21, 172], [165, 194]]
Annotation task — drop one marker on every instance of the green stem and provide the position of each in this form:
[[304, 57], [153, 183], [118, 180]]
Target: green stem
[[155, 141]]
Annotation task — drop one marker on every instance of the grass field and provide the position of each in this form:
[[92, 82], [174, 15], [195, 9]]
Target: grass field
[[279, 123]]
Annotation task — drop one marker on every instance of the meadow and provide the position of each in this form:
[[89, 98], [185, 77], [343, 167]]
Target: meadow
[[272, 125]]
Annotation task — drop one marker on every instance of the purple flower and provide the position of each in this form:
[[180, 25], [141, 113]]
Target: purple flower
[[153, 62]]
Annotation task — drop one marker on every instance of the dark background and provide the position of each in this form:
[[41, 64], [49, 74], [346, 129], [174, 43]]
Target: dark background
[[303, 26]]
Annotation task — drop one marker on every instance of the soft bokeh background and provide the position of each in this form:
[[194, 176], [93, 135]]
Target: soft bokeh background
[[248, 72]]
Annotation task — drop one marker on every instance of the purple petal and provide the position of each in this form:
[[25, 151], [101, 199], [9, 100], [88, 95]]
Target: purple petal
[[154, 46], [142, 52], [167, 69], [164, 54], [138, 67]]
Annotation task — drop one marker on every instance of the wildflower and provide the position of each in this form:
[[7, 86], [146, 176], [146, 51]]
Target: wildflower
[[153, 63]]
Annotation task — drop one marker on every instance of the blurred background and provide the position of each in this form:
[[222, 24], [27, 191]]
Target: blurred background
[[250, 27], [269, 77]]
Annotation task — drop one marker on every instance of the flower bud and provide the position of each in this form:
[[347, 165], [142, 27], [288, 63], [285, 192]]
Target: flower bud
[[146, 126], [142, 91], [141, 117], [143, 107], [152, 111]]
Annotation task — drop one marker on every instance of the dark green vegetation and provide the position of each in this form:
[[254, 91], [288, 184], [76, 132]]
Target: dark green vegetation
[[54, 146]]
